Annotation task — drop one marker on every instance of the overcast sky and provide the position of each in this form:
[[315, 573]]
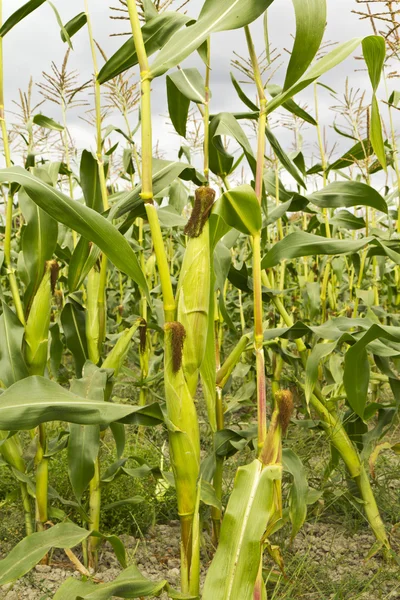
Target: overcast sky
[[34, 43]]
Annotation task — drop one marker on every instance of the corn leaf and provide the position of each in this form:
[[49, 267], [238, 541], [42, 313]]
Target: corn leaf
[[348, 193], [36, 400], [47, 123], [310, 27], [19, 15], [301, 243], [374, 50], [299, 490], [73, 26], [240, 209], [178, 107], [325, 64], [286, 162], [234, 568], [74, 326], [12, 364], [84, 440], [214, 16], [357, 368], [90, 181], [33, 548], [156, 33], [82, 219]]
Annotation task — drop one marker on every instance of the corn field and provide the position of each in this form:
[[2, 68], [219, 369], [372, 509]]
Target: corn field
[[216, 303]]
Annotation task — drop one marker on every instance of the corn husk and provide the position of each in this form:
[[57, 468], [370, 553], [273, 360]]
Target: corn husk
[[193, 294], [93, 316], [37, 326], [116, 357], [182, 423]]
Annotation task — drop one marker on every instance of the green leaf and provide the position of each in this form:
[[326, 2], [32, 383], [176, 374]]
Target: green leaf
[[90, 181], [348, 193], [190, 83], [164, 173], [214, 16], [221, 162], [33, 548], [12, 364], [47, 123], [330, 60], [286, 162], [35, 400], [83, 259], [317, 354], [374, 50], [301, 243], [82, 219], [73, 323], [71, 588], [347, 220], [242, 95], [178, 107], [84, 440], [360, 151], [235, 565], [299, 490], [73, 26], [129, 584], [357, 369], [310, 27], [39, 240], [20, 14], [240, 209], [156, 34]]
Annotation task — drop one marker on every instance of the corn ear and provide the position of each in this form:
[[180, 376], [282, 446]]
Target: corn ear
[[93, 316], [37, 325], [193, 294], [116, 357], [182, 423]]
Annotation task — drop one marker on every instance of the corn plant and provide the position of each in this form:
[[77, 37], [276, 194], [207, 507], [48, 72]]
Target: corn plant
[[285, 270]]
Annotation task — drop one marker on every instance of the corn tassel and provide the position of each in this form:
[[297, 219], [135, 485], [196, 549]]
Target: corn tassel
[[193, 295]]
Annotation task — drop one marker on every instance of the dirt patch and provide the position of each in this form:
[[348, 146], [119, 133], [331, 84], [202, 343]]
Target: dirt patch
[[324, 562]]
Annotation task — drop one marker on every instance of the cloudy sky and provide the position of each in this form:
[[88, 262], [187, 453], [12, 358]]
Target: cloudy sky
[[30, 48]]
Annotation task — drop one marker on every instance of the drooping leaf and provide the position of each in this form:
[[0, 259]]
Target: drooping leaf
[[299, 490], [214, 16], [310, 27], [74, 25], [82, 219], [178, 107], [47, 123], [84, 440], [374, 50], [240, 209], [36, 400], [90, 181], [27, 553], [20, 14], [346, 194], [12, 364], [330, 60], [286, 162], [73, 323], [39, 240], [156, 34], [301, 243]]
